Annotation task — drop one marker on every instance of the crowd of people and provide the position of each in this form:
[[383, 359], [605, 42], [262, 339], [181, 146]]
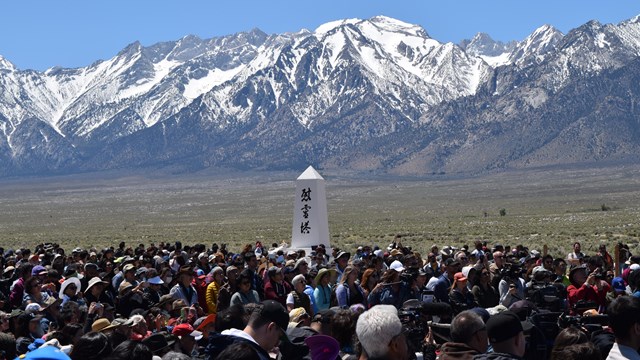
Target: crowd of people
[[169, 301]]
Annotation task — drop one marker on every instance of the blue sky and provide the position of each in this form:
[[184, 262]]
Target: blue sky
[[72, 33]]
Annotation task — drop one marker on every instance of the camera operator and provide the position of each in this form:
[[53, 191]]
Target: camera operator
[[542, 292], [511, 287]]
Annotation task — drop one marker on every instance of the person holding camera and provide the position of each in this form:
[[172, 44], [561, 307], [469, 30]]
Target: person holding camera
[[585, 289]]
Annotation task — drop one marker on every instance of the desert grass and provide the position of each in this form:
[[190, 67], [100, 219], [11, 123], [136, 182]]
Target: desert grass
[[547, 206]]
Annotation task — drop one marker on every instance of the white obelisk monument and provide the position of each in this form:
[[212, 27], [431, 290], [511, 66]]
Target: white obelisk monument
[[310, 221]]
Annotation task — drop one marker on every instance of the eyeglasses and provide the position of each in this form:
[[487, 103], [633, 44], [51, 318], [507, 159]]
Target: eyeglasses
[[463, 258], [484, 274]]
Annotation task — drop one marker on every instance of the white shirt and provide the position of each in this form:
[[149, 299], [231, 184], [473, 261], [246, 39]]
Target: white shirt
[[239, 333], [620, 352]]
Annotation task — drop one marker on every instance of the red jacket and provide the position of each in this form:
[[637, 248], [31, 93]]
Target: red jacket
[[585, 292], [270, 292]]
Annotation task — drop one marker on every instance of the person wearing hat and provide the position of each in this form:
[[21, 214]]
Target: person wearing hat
[[460, 297], [153, 291], [69, 290], [444, 282], [127, 274], [187, 339], [618, 288], [322, 292], [184, 290], [158, 343], [584, 287], [275, 288], [95, 292], [213, 289], [266, 326], [506, 335], [228, 289]]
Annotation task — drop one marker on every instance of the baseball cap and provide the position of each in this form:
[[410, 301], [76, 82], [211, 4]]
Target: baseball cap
[[618, 284], [274, 311], [505, 325], [397, 266], [186, 330]]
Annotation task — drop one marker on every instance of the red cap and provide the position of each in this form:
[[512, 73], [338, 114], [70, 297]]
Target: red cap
[[182, 330]]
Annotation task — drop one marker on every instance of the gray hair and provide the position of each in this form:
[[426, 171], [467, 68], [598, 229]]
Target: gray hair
[[376, 328]]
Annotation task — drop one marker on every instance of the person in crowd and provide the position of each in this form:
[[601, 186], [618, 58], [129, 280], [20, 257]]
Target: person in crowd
[[380, 334], [228, 289], [245, 295], [322, 292], [213, 289], [33, 292], [388, 290], [369, 280], [92, 346], [184, 290], [275, 288], [460, 297], [95, 292], [266, 325], [298, 298], [256, 280], [444, 282], [575, 257], [349, 292], [506, 336], [624, 320], [583, 289], [342, 260], [468, 337], [17, 291], [484, 294]]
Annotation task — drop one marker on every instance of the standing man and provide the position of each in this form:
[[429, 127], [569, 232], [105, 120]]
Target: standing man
[[442, 286], [575, 257]]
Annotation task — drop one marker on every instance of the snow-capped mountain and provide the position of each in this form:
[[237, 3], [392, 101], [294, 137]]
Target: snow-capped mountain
[[349, 93]]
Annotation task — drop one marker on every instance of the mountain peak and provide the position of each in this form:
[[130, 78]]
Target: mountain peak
[[327, 27], [6, 64]]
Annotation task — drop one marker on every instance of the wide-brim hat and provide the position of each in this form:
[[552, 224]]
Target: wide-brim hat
[[575, 269], [118, 322], [100, 324], [67, 282], [94, 281], [158, 342], [322, 272], [51, 300], [165, 299], [156, 280]]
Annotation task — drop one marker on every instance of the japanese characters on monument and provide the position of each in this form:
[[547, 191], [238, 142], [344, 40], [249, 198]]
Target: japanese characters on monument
[[310, 220]]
